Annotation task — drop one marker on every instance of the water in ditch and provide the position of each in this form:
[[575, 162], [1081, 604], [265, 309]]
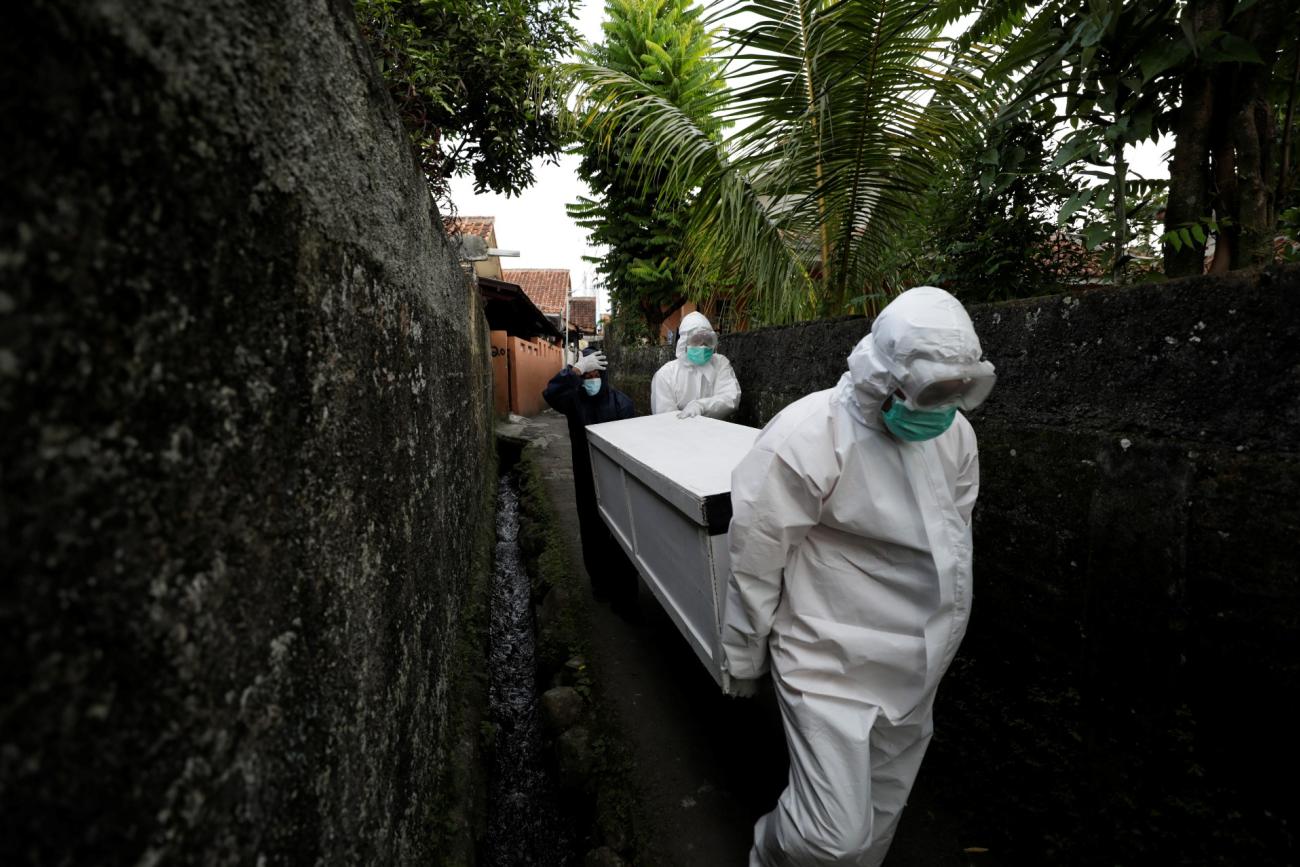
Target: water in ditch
[[524, 823]]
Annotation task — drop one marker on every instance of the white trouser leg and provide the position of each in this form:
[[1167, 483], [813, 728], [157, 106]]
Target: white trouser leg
[[896, 754], [850, 772]]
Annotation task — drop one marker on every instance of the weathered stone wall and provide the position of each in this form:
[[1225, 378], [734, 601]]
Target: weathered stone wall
[[245, 402], [1121, 694], [632, 368]]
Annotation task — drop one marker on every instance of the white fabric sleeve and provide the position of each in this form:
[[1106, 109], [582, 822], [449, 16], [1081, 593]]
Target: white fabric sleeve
[[726, 393], [968, 484], [773, 507], [662, 398], [967, 488]]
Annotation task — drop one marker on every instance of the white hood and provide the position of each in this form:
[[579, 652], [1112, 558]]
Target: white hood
[[694, 321], [922, 324]]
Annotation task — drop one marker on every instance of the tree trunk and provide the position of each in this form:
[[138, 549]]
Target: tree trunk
[[656, 314], [1255, 217], [1254, 134], [1189, 168], [1121, 213], [1284, 173], [1223, 164], [1189, 172], [1242, 147]]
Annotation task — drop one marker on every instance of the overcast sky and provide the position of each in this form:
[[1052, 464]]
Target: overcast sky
[[537, 225]]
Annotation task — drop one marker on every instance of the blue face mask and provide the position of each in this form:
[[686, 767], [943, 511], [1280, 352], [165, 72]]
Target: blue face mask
[[591, 386], [698, 354], [914, 425]]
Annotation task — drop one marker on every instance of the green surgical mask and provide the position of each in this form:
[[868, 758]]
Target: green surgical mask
[[914, 425], [698, 354], [591, 386]]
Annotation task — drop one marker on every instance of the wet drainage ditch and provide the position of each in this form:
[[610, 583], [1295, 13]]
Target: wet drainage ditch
[[527, 824]]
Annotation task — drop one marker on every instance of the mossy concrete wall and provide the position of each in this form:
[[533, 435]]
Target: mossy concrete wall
[[1122, 694], [246, 404]]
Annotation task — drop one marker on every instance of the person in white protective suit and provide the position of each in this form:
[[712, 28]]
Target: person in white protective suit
[[698, 381], [851, 571]]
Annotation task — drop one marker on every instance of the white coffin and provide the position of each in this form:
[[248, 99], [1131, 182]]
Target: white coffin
[[663, 486]]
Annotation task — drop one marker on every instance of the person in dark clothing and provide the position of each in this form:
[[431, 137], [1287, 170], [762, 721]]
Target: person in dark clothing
[[583, 394]]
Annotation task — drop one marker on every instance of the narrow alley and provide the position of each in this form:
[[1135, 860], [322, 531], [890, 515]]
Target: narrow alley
[[283, 287]]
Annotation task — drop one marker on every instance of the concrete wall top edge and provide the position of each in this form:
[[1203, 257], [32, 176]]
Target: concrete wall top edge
[[1210, 360]]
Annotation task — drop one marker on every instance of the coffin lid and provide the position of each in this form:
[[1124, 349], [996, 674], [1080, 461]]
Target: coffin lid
[[688, 461]]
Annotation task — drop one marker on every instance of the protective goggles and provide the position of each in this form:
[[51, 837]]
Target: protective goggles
[[936, 385], [703, 338]]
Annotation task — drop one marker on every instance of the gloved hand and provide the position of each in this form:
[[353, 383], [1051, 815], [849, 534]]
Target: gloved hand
[[587, 363], [691, 410], [744, 688]]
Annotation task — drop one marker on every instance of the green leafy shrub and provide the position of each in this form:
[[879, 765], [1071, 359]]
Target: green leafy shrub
[[470, 79]]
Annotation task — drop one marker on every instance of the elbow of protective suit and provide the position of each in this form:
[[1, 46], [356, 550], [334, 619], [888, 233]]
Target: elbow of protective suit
[[705, 406], [744, 655], [725, 398], [724, 405], [717, 405]]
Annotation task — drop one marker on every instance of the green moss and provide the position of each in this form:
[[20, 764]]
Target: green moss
[[564, 659]]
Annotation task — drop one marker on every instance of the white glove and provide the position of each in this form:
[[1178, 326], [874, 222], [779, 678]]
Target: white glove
[[691, 410], [743, 687], [587, 363]]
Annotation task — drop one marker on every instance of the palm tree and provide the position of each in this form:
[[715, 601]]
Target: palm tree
[[839, 109], [663, 45]]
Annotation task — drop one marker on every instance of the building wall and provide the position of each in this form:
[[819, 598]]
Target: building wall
[[491, 266], [1132, 650], [674, 322], [724, 322], [500, 373], [532, 364], [245, 408]]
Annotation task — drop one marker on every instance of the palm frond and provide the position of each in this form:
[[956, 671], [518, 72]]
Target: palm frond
[[668, 149], [839, 111]]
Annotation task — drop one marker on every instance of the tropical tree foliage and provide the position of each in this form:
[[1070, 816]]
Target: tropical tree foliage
[[853, 119], [1108, 64], [1127, 71], [840, 113], [1230, 171], [990, 228], [662, 45], [469, 78]]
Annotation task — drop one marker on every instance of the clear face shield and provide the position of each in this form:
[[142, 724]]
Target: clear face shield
[[931, 385], [705, 339]]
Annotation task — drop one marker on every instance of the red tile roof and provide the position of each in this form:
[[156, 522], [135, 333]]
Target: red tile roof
[[547, 287], [582, 313], [1071, 260], [481, 226], [1285, 249]]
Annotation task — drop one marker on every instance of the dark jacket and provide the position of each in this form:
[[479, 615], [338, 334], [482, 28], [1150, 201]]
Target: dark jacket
[[566, 395]]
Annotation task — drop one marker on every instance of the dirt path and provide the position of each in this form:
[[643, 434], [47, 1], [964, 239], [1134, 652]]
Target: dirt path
[[708, 766]]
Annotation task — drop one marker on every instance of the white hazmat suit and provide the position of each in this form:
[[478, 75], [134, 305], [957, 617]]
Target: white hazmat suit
[[851, 565], [711, 387]]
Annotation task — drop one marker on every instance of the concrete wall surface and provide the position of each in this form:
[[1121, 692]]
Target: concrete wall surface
[[246, 405], [500, 373], [1121, 696]]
